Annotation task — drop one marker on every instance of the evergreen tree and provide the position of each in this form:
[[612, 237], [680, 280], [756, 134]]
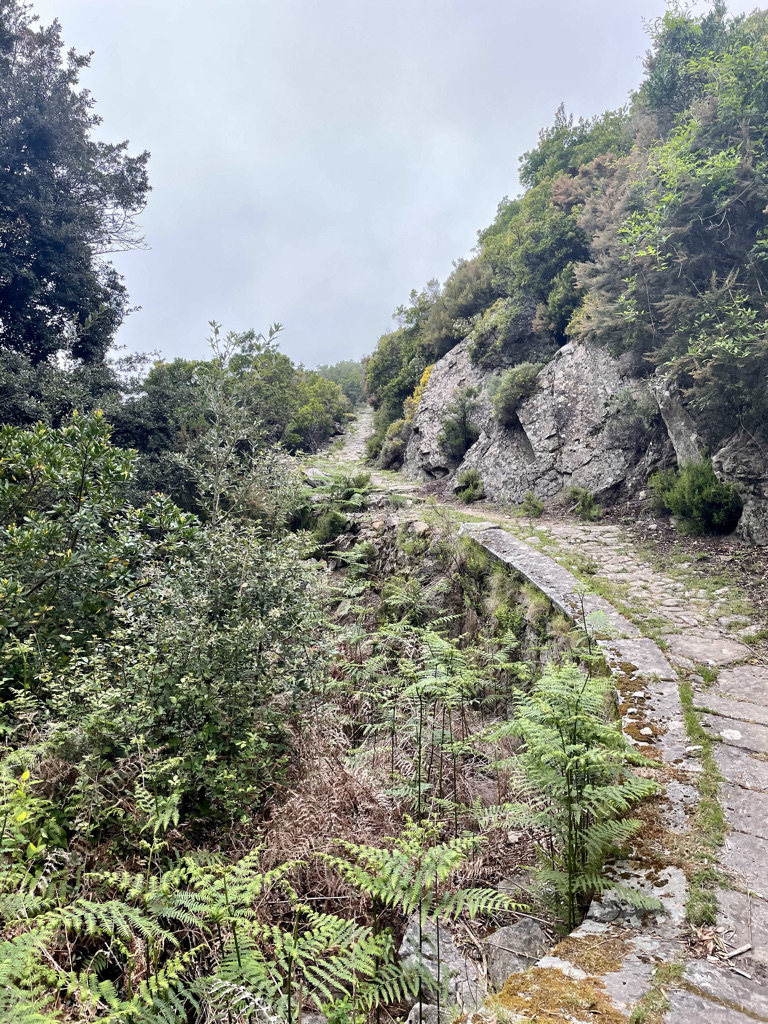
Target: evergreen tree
[[68, 200]]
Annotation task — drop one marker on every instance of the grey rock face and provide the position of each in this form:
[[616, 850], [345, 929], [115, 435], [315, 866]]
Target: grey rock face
[[314, 477], [743, 462], [680, 426], [564, 435], [424, 458], [442, 966], [514, 949]]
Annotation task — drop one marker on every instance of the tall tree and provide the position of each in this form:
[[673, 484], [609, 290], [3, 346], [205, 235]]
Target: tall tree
[[66, 199]]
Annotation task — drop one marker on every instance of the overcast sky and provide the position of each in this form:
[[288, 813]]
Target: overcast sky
[[314, 160]]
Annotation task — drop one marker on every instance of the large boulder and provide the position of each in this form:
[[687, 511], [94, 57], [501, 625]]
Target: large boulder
[[743, 462], [568, 432], [513, 949], [443, 967]]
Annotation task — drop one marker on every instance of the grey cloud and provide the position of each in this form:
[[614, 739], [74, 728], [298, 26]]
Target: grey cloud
[[313, 161]]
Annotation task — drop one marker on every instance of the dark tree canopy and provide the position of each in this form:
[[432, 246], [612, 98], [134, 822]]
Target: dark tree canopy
[[66, 200]]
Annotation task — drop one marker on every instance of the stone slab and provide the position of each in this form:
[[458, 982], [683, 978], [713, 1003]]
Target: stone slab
[[745, 682], [642, 654], [744, 710], [747, 857], [743, 735], [748, 917], [740, 768], [718, 982], [627, 986], [707, 650], [454, 973], [746, 810], [689, 1008]]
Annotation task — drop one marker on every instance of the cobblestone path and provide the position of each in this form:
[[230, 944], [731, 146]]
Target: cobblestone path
[[673, 632]]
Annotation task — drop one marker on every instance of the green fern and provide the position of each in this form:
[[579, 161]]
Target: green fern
[[416, 874], [573, 770]]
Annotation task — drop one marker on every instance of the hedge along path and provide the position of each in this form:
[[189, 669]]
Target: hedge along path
[[668, 635], [663, 976]]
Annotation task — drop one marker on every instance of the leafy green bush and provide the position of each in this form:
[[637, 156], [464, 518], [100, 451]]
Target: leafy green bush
[[531, 506], [584, 504], [516, 384], [320, 405], [151, 646], [696, 498], [329, 526], [470, 486], [71, 547], [350, 376], [393, 449], [459, 431]]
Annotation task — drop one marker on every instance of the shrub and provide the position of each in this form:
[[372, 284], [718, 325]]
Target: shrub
[[515, 385], [584, 504], [393, 449], [373, 446], [329, 526], [697, 499], [459, 431], [531, 506], [470, 486]]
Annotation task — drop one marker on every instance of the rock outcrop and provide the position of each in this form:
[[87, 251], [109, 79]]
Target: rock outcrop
[[743, 462], [678, 421], [569, 432]]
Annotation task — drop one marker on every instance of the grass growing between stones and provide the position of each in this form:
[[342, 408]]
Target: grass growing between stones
[[708, 673], [709, 822], [653, 1007]]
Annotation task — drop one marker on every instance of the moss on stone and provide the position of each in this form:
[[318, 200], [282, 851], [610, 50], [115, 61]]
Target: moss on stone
[[593, 954], [546, 994]]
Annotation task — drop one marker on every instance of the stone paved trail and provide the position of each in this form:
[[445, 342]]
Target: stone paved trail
[[667, 627], [694, 635], [353, 447]]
